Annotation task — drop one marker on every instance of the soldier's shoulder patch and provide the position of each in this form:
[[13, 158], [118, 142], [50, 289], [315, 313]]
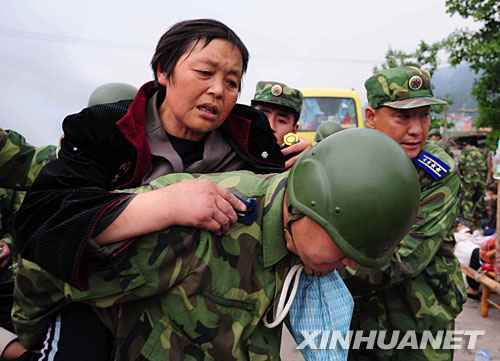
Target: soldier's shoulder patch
[[432, 164]]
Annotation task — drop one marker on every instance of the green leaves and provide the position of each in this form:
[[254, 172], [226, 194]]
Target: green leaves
[[480, 49], [424, 57]]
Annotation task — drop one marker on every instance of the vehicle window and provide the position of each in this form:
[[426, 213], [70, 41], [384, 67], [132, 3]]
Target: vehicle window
[[316, 110]]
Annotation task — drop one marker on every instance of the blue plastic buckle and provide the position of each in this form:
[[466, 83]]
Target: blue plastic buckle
[[250, 215]]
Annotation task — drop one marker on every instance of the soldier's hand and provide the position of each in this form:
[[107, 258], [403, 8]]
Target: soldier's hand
[[298, 148], [201, 203], [4, 255]]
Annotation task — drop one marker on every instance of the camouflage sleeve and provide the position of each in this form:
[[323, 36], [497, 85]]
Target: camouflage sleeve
[[21, 162], [150, 265], [38, 296], [433, 227]]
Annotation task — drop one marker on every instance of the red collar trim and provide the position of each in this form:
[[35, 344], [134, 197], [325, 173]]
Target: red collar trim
[[133, 127]]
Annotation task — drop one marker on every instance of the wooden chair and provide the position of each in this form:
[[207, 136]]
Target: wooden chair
[[489, 285]]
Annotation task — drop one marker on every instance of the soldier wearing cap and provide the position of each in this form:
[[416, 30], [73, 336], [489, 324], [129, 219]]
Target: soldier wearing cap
[[421, 289], [282, 105], [473, 168], [434, 134], [435, 137]]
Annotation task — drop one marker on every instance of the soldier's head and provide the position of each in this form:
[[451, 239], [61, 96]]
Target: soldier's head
[[281, 104], [111, 93], [470, 142], [434, 134], [326, 129], [350, 199], [399, 105]]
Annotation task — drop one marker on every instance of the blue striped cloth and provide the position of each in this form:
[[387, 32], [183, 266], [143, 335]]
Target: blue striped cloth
[[321, 313]]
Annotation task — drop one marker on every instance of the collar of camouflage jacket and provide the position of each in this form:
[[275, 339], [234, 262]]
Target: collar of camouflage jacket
[[273, 239]]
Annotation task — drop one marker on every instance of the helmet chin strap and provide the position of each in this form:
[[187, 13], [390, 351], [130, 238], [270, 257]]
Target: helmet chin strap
[[283, 308]]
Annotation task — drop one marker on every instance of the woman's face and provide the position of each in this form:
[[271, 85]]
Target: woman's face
[[202, 89]]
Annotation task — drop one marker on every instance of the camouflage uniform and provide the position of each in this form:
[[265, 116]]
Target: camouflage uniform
[[443, 145], [422, 287], [473, 167], [211, 300], [20, 163], [10, 201], [439, 141]]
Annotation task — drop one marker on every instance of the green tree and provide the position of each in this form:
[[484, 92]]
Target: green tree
[[424, 57], [481, 50], [437, 114]]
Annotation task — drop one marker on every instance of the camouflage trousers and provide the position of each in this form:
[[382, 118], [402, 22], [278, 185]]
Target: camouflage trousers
[[472, 201]]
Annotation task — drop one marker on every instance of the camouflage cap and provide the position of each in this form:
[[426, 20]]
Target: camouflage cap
[[278, 93], [401, 88]]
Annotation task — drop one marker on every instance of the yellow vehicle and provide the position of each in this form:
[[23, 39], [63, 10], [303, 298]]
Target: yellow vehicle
[[321, 105]]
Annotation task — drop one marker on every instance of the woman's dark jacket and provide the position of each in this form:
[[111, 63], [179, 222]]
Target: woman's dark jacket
[[105, 148]]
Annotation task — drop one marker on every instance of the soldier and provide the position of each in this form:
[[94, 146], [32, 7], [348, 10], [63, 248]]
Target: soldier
[[326, 129], [473, 167], [11, 201], [20, 163], [434, 134], [435, 137], [281, 105], [421, 289], [187, 293]]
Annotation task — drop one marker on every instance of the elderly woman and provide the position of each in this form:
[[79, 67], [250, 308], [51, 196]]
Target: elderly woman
[[184, 121]]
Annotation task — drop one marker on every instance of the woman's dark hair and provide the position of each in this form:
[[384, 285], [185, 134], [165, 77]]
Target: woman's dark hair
[[175, 42]]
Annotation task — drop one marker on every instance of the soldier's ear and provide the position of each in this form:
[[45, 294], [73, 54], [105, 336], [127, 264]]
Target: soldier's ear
[[370, 115], [290, 244]]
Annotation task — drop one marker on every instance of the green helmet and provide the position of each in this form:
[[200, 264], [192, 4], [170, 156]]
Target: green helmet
[[111, 93], [361, 188], [325, 129], [434, 131]]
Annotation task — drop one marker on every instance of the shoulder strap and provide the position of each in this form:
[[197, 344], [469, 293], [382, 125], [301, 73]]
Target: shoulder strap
[[431, 164]]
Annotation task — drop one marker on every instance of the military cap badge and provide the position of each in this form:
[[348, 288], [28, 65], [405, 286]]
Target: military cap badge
[[276, 90], [415, 82]]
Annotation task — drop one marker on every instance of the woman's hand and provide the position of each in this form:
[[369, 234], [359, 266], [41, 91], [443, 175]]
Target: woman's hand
[[199, 203], [202, 204]]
